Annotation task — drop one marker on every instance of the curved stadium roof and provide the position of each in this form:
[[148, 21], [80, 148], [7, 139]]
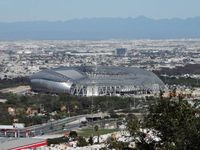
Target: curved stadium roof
[[100, 76]]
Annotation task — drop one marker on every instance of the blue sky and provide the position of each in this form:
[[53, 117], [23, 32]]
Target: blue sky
[[61, 10]]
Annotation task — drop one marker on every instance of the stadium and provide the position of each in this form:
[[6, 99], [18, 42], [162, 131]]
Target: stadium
[[96, 81]]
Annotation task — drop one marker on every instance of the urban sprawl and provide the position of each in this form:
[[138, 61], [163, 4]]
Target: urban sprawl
[[125, 120]]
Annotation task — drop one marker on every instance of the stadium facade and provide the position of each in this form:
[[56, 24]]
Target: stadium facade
[[96, 81]]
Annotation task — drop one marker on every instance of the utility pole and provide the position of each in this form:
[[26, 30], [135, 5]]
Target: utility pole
[[68, 110], [92, 110]]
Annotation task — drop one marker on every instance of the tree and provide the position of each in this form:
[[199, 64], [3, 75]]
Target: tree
[[133, 124], [90, 140], [177, 122], [161, 94], [81, 141], [96, 129], [114, 144], [73, 134]]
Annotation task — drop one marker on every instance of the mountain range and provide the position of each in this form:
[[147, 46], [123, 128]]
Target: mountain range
[[102, 29]]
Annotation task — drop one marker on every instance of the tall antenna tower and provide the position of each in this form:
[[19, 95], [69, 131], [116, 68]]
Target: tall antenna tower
[[93, 86]]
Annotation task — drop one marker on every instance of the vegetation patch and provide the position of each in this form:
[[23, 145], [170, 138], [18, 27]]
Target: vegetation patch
[[87, 132]]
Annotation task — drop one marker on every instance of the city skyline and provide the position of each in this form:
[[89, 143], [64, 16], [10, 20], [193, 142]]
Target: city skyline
[[62, 10]]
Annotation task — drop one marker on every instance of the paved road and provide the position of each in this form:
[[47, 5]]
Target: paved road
[[47, 128], [52, 126]]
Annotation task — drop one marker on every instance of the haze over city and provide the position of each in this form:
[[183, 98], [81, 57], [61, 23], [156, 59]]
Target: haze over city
[[99, 74]]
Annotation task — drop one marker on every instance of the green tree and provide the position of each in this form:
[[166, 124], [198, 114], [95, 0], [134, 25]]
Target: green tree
[[177, 122], [117, 145], [81, 141], [96, 129], [90, 140], [133, 124], [161, 94], [73, 134]]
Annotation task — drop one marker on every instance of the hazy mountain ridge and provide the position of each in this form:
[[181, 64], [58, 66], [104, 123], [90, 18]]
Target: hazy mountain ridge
[[102, 28]]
